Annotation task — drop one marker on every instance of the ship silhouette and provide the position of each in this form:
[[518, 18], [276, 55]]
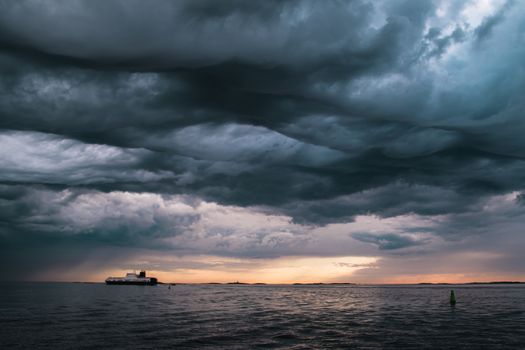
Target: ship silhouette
[[132, 278]]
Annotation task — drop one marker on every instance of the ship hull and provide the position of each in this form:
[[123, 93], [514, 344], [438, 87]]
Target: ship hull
[[132, 283]]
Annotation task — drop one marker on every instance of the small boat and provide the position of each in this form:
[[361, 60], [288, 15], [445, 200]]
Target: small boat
[[133, 279]]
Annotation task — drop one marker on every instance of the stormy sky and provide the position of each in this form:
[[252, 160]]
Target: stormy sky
[[360, 140]]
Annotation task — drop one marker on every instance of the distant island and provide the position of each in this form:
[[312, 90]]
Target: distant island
[[347, 283], [306, 283], [322, 283], [491, 282], [264, 284]]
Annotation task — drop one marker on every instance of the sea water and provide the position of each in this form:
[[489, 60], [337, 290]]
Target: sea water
[[73, 316]]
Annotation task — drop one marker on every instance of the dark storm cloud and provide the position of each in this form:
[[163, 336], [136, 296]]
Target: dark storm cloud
[[42, 227], [189, 33], [317, 110], [486, 27]]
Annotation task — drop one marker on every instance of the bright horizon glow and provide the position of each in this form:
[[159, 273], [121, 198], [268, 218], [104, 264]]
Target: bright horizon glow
[[284, 270], [223, 270]]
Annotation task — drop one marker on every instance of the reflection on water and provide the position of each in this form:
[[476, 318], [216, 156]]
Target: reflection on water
[[56, 315]]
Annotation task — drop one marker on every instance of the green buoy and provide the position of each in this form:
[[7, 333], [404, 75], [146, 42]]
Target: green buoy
[[452, 298]]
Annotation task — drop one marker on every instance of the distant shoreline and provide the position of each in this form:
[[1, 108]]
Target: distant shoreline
[[301, 284], [348, 283], [495, 282]]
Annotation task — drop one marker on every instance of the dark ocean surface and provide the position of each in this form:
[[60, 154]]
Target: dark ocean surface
[[92, 316]]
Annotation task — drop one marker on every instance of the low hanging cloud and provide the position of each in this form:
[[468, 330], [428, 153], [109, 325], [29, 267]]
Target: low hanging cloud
[[44, 158], [387, 241], [117, 115]]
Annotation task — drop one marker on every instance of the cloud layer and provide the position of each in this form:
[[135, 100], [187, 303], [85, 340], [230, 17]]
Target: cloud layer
[[128, 125]]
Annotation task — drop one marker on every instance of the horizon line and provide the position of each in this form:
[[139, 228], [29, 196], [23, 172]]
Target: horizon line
[[290, 283]]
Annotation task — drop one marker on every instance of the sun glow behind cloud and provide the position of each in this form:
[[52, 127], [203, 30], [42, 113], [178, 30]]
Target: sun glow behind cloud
[[209, 269]]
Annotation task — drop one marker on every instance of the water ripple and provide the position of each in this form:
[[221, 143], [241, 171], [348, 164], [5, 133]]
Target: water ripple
[[52, 316]]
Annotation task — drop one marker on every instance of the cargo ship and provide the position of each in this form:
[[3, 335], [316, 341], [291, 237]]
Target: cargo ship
[[133, 279]]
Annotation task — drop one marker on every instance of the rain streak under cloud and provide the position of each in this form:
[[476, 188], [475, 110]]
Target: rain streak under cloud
[[268, 141]]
